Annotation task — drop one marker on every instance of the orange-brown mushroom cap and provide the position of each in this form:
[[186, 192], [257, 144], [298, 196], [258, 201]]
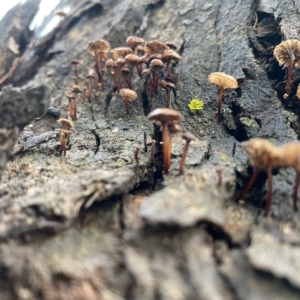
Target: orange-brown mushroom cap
[[120, 52], [170, 54], [132, 59], [286, 51], [133, 41], [65, 122], [155, 47], [128, 95], [61, 14], [223, 80]]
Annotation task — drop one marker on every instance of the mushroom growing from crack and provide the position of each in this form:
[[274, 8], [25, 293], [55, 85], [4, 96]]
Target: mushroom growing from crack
[[168, 56], [133, 42], [128, 96], [264, 156], [165, 116], [188, 137], [156, 67], [224, 81], [287, 54], [64, 140]]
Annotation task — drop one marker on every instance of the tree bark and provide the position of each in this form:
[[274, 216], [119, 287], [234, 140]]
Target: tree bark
[[96, 225]]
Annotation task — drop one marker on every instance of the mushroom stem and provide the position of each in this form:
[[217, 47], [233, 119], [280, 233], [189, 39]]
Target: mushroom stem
[[75, 73], [97, 66], [150, 87], [249, 185], [183, 157], [70, 109], [169, 71], [289, 78], [295, 193], [220, 102], [155, 82], [114, 77], [168, 103], [166, 148], [269, 196]]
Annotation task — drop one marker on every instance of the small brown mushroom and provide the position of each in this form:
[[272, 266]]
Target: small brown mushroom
[[128, 96], [65, 123], [188, 137], [147, 73], [126, 72], [168, 86], [92, 49], [90, 77], [62, 15], [165, 116], [168, 56], [224, 81], [287, 54], [76, 90], [120, 52], [155, 47], [64, 139], [133, 42], [156, 67], [134, 60], [264, 156], [111, 68], [71, 100], [75, 63]]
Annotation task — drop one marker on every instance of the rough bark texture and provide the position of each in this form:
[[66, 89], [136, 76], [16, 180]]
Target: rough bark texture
[[95, 225]]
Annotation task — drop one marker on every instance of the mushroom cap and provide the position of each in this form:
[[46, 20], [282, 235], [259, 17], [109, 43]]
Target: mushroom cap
[[170, 54], [262, 153], [102, 46], [188, 136], [287, 50], [128, 95], [156, 64], [132, 59], [70, 97], [133, 41], [90, 75], [155, 47], [165, 115], [171, 45], [65, 122], [174, 128], [126, 69], [76, 89], [223, 79], [120, 52], [145, 59], [109, 62], [146, 72]]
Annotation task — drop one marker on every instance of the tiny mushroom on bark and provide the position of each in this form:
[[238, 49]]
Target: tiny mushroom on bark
[[134, 60], [76, 90], [264, 156], [156, 66], [128, 96], [165, 116], [168, 86], [224, 81], [133, 42], [65, 123], [287, 54], [188, 137], [71, 100], [90, 77], [64, 139], [170, 55], [155, 47], [75, 63], [92, 49], [147, 73], [126, 72]]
